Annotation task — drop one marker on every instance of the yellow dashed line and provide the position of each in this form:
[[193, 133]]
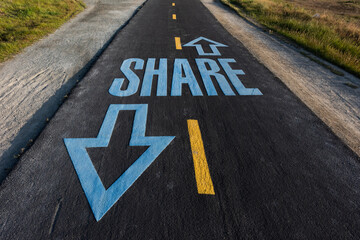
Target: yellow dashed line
[[178, 43], [173, 4], [202, 173], [174, 16]]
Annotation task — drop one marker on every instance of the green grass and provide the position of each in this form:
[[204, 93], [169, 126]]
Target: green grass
[[22, 22], [330, 37]]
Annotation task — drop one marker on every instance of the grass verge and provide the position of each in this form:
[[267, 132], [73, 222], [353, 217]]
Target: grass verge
[[329, 36], [22, 22]]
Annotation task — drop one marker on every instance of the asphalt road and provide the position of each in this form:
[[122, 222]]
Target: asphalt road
[[220, 149]]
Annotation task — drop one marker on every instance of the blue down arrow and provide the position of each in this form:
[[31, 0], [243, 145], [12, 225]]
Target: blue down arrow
[[101, 199]]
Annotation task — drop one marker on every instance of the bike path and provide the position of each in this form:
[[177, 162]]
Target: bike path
[[178, 132]]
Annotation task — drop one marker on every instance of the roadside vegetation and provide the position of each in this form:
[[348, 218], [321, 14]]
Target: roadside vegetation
[[328, 28], [24, 21]]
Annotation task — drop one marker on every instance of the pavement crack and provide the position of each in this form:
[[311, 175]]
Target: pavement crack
[[55, 216]]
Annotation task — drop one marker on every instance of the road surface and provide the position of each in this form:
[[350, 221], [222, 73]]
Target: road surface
[[177, 132]]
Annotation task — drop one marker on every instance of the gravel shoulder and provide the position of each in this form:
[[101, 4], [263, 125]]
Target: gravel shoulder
[[328, 95], [34, 82]]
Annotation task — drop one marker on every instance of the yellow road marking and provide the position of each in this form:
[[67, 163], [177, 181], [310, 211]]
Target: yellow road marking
[[202, 173], [174, 16], [178, 43], [173, 4]]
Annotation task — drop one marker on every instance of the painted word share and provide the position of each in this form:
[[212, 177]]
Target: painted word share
[[183, 75]]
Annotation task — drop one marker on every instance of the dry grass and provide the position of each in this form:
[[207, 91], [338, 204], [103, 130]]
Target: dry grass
[[328, 28], [24, 21]]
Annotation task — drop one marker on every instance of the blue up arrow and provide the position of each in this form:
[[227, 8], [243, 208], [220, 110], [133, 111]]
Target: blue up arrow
[[213, 45], [101, 199]]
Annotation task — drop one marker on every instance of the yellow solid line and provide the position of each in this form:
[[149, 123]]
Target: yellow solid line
[[173, 4], [174, 16], [202, 173], [178, 43]]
